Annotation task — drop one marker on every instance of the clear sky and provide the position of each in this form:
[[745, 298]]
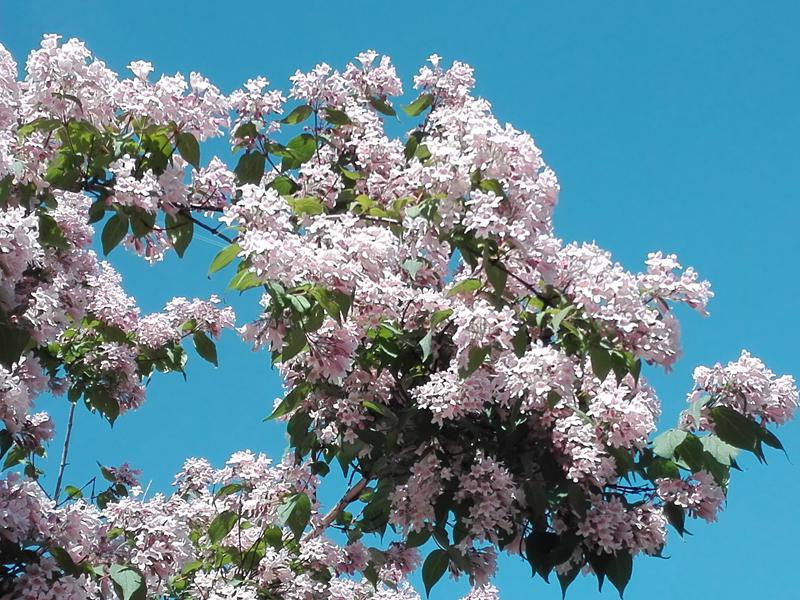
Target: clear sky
[[671, 125]]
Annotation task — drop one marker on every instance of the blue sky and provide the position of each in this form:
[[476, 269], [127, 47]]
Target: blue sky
[[671, 125]]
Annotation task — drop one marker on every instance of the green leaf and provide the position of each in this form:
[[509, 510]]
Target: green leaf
[[439, 316], [244, 280], [299, 393], [601, 362], [425, 344], [284, 185], [435, 566], [142, 223], [115, 229], [465, 286], [223, 258], [497, 276], [619, 570], [300, 149], [222, 525], [418, 105], [382, 106], [676, 516], [734, 428], [189, 149], [521, 341], [770, 439], [476, 357], [555, 324], [412, 267], [180, 230], [50, 233], [246, 130], [250, 168], [15, 456], [492, 185], [336, 117], [664, 445], [418, 538], [411, 147], [227, 490], [73, 492], [306, 206], [690, 451], [295, 513], [205, 347], [723, 452], [97, 211], [6, 441], [298, 115], [129, 584]]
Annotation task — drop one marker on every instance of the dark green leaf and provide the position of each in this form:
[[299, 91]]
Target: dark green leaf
[[476, 357], [222, 525], [734, 428], [418, 538], [180, 230], [246, 130], [50, 233], [676, 516], [382, 106], [205, 347], [250, 168], [189, 149], [619, 570], [336, 117], [97, 211], [690, 451], [6, 441], [142, 223], [435, 566], [492, 185], [227, 490], [601, 362], [497, 275], [299, 393], [115, 229], [521, 341]]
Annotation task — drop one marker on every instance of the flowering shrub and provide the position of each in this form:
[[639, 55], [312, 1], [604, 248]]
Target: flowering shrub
[[478, 380]]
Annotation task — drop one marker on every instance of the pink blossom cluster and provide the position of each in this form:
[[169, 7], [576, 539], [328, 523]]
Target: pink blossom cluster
[[747, 386], [701, 495], [156, 536]]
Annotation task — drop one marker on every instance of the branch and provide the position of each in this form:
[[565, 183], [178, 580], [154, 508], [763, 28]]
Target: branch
[[64, 452], [213, 230], [351, 494]]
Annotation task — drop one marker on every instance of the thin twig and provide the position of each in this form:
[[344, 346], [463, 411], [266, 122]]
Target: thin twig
[[64, 452]]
